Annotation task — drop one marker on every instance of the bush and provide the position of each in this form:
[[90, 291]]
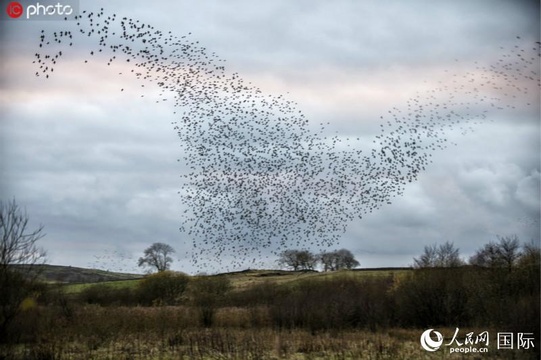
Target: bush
[[163, 288], [106, 295], [263, 293], [433, 297], [207, 293], [469, 296], [337, 303]]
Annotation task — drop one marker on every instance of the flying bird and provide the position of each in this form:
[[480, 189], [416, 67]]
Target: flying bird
[[260, 178]]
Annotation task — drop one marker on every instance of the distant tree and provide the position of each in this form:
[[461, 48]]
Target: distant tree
[[504, 253], [531, 255], [509, 250], [347, 260], [448, 256], [297, 259], [445, 255], [338, 260], [19, 254], [428, 258], [528, 274], [288, 258], [487, 256], [157, 256], [307, 260], [327, 260]]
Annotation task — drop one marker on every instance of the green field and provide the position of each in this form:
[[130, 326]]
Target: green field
[[245, 279], [58, 274], [248, 278], [117, 284]]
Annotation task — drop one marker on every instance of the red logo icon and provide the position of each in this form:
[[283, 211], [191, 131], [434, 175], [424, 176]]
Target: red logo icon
[[14, 9]]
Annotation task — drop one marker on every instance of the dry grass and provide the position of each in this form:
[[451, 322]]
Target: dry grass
[[172, 333], [244, 344], [271, 315], [247, 279], [117, 284], [220, 343]]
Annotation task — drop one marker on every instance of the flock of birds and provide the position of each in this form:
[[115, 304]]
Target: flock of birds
[[260, 180], [115, 261]]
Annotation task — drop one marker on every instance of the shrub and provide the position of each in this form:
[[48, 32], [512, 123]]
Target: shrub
[[207, 294], [106, 295], [336, 303], [163, 288], [433, 297]]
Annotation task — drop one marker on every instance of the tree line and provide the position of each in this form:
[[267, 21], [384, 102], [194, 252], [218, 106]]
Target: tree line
[[157, 257], [506, 252], [306, 260], [499, 287]]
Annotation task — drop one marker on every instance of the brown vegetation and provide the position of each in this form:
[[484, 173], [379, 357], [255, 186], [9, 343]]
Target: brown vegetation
[[278, 315], [344, 316]]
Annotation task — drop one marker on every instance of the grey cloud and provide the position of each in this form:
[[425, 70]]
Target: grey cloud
[[100, 170], [528, 191]]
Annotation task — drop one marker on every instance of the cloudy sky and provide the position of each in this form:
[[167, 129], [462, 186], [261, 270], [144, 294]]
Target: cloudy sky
[[98, 166]]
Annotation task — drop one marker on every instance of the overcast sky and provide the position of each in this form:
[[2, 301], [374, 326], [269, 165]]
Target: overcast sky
[[98, 166]]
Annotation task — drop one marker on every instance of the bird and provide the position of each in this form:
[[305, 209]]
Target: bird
[[261, 180]]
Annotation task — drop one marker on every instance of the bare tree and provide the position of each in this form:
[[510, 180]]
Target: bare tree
[[487, 256], [327, 260], [307, 260], [19, 254], [530, 255], [297, 259], [427, 258], [504, 253], [157, 256], [448, 256], [509, 250], [346, 259], [289, 258], [337, 260], [18, 245], [445, 255]]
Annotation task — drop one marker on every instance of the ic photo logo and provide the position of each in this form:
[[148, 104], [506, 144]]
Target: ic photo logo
[[14, 9], [41, 10], [428, 343]]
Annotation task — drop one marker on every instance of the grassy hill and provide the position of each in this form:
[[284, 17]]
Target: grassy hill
[[246, 278], [71, 275], [76, 279]]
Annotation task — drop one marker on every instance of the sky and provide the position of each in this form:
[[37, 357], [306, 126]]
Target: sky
[[98, 166]]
